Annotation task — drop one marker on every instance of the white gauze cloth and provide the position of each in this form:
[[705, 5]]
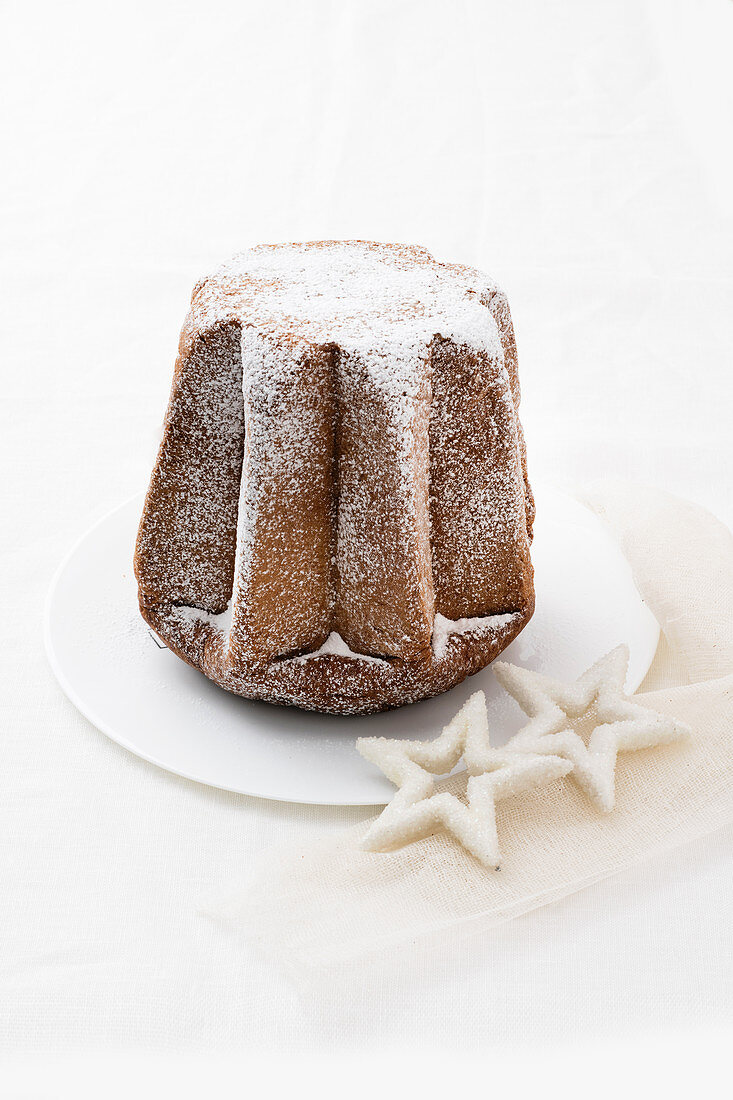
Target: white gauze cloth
[[330, 902]]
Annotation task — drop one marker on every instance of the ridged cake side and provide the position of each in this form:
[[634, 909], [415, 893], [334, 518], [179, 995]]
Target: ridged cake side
[[339, 516]]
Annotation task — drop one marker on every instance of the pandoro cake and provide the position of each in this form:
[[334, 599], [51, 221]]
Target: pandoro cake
[[339, 517]]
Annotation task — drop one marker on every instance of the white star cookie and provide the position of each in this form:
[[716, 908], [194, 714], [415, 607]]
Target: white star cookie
[[597, 701], [417, 811]]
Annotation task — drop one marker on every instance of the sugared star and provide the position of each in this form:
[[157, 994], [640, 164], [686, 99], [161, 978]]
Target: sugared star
[[417, 810], [595, 701]]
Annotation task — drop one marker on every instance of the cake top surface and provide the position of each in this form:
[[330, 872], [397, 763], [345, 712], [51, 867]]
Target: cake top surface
[[357, 294]]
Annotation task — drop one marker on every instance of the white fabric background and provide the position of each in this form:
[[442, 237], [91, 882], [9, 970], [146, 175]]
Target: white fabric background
[[579, 151]]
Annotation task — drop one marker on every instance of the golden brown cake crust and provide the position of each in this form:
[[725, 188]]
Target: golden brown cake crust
[[339, 517]]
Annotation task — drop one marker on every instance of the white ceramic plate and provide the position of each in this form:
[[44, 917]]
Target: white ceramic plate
[[128, 685]]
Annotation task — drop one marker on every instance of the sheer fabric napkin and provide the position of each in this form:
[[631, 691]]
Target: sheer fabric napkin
[[330, 902]]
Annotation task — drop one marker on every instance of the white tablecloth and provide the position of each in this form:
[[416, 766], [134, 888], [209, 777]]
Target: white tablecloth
[[579, 151]]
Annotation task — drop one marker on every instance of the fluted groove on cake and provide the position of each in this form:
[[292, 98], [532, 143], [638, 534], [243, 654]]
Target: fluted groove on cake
[[189, 547], [382, 529], [479, 531], [284, 515]]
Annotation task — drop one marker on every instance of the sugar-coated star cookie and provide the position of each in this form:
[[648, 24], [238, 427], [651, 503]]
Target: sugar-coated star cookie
[[416, 810], [597, 700]]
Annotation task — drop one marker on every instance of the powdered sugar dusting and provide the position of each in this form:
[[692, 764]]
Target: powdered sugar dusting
[[384, 301], [222, 621], [335, 645], [444, 629]]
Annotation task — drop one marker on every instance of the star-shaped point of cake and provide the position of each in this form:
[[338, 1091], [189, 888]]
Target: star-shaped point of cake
[[417, 810], [597, 699]]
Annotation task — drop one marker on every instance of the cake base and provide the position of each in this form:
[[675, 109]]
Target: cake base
[[112, 667]]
